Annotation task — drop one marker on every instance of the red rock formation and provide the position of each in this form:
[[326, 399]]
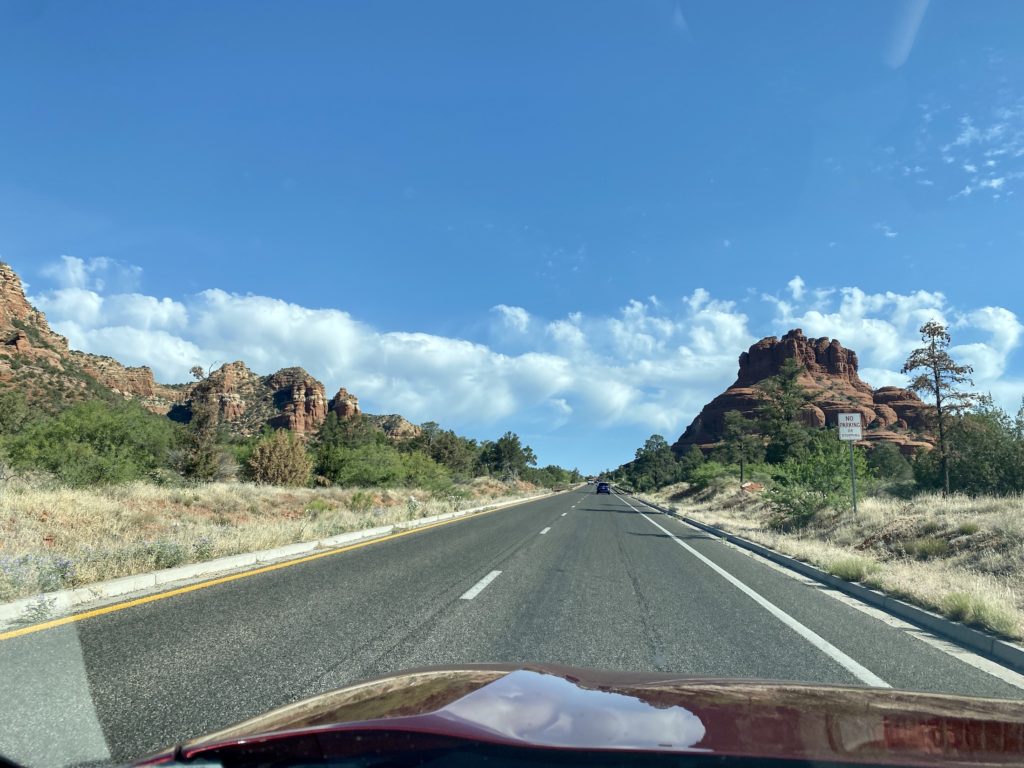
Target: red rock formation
[[300, 399], [344, 404], [20, 342], [820, 357], [15, 307], [129, 382], [890, 414], [246, 402]]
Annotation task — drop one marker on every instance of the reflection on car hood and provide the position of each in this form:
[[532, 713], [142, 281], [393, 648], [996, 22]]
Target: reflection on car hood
[[545, 706]]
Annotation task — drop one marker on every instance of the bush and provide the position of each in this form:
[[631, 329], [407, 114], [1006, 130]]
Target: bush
[[280, 458], [794, 507], [886, 462], [818, 481], [968, 529], [981, 611], [853, 568], [929, 548], [421, 471], [362, 466], [705, 474], [95, 443], [316, 506], [361, 502]]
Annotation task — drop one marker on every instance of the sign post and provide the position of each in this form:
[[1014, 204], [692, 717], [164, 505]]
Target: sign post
[[850, 430]]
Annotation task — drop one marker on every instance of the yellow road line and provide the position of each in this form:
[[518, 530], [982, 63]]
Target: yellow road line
[[235, 576]]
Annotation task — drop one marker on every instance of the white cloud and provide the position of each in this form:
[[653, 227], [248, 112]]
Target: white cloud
[[698, 298], [650, 364], [93, 274], [514, 318], [796, 288], [886, 230], [566, 335]]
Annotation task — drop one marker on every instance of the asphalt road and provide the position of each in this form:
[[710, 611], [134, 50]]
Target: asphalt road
[[586, 580]]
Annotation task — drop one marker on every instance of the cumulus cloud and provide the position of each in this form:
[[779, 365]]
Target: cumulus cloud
[[514, 318], [651, 363]]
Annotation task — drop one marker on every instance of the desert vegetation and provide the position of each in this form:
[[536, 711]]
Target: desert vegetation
[[101, 488], [56, 536]]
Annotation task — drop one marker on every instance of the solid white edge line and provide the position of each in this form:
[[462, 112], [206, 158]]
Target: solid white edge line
[[862, 673], [477, 588], [545, 530]]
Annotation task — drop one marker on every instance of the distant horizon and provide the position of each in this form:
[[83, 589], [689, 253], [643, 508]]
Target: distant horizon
[[565, 220], [80, 308]]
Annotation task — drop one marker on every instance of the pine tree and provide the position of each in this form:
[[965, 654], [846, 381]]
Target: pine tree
[[939, 377]]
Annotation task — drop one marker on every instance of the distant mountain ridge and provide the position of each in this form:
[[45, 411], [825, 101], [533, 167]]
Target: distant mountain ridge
[[39, 362], [888, 414]]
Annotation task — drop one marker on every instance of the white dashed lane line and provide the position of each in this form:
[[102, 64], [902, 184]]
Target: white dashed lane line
[[564, 514], [477, 588], [545, 530]]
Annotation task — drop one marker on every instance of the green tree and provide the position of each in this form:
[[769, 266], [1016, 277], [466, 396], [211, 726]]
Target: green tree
[[351, 432], [691, 461], [365, 466], [940, 376], [420, 471], [201, 452], [95, 443], [742, 444], [459, 454], [15, 414], [886, 462], [782, 397], [653, 466], [280, 458], [986, 451], [507, 457], [817, 480]]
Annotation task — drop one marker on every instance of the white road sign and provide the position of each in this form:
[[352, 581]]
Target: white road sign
[[849, 426]]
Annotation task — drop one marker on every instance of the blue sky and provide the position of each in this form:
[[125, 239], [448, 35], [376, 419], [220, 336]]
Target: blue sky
[[565, 219]]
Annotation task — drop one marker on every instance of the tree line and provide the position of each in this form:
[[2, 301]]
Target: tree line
[[103, 442]]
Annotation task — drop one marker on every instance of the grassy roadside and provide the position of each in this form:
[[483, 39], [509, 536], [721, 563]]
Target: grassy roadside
[[53, 537], [962, 557]]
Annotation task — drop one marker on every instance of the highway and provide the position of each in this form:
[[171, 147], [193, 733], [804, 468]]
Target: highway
[[577, 578]]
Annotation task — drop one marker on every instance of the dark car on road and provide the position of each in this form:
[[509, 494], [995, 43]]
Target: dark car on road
[[603, 488]]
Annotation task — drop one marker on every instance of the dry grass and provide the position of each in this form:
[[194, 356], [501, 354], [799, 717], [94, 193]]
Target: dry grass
[[959, 556], [53, 537]]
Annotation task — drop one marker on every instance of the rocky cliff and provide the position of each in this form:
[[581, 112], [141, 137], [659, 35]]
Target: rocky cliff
[[39, 362], [246, 402], [394, 426], [830, 377]]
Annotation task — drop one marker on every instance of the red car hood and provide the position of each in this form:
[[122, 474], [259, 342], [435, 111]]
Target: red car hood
[[548, 707]]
